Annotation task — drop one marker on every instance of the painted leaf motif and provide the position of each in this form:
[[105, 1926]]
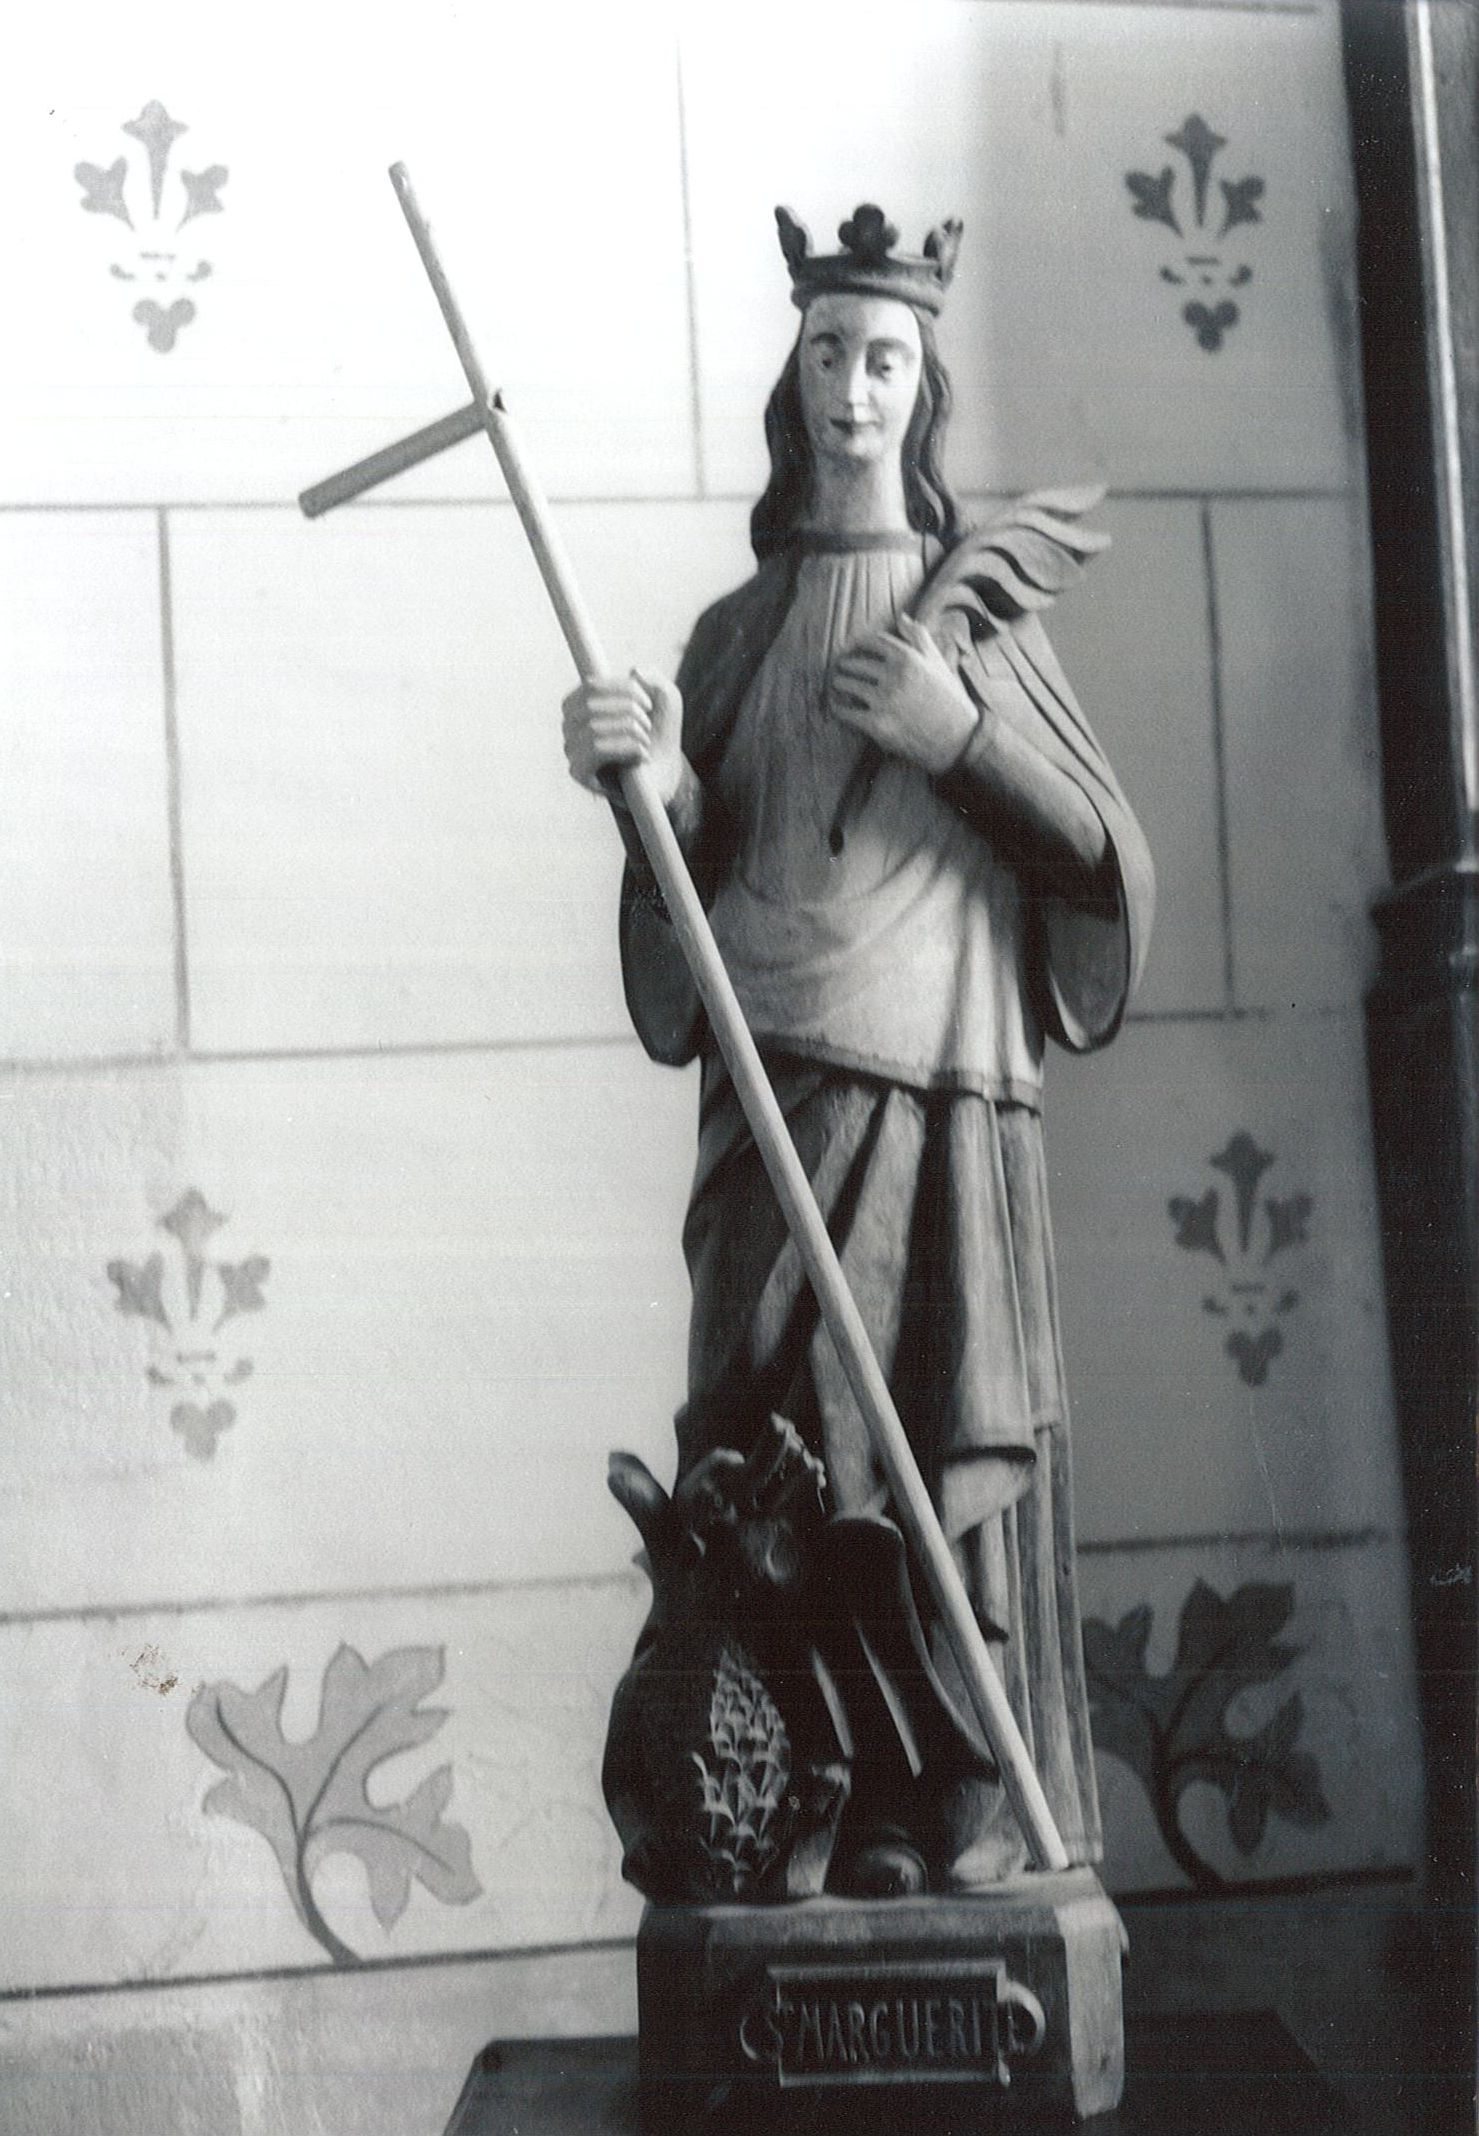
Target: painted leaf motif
[[241, 1731], [1223, 1648], [1172, 1729], [1125, 1702], [400, 1842], [310, 1799], [1235, 1633], [1263, 1773]]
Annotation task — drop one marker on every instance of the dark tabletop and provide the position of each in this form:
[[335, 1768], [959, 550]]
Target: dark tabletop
[[1239, 2075]]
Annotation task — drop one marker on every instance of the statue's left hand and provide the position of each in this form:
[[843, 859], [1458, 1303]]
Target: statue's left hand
[[898, 689]]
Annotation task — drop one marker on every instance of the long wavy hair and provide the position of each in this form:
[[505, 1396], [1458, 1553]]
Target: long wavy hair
[[788, 494]]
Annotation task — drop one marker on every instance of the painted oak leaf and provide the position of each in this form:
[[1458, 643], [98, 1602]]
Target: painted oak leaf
[[1128, 1703], [404, 1841], [310, 1799], [1172, 1729], [1224, 1648], [1262, 1773]]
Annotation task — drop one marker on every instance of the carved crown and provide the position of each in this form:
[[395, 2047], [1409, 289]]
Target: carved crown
[[867, 265]]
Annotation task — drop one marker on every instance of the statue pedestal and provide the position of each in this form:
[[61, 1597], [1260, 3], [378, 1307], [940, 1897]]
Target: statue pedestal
[[1012, 1991]]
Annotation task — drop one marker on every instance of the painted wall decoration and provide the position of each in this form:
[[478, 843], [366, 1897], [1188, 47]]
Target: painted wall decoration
[[311, 1799], [1262, 1229], [205, 1474], [187, 1299], [1181, 200], [154, 205], [1172, 1730]]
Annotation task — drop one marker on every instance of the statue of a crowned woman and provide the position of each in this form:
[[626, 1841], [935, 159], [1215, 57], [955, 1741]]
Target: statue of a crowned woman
[[918, 866]]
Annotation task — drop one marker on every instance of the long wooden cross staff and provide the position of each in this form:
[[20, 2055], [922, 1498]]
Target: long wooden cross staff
[[726, 1020]]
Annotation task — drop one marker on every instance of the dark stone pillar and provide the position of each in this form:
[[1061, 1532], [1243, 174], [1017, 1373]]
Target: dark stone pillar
[[1413, 86]]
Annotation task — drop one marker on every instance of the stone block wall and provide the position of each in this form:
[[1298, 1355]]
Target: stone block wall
[[339, 1209]]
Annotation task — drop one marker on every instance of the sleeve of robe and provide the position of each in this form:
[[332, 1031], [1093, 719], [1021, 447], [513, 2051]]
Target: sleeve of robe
[[729, 642], [1086, 950], [1088, 942]]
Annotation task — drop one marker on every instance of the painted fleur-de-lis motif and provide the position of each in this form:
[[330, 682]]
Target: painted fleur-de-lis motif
[[156, 203], [1263, 1227], [1204, 266], [187, 1302]]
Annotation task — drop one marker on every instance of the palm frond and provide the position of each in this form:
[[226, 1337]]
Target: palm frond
[[1016, 565]]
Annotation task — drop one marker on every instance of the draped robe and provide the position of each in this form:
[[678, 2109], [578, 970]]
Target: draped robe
[[916, 1116]]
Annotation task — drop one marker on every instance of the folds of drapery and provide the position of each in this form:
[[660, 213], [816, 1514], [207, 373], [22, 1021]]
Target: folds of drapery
[[1087, 951], [937, 1204]]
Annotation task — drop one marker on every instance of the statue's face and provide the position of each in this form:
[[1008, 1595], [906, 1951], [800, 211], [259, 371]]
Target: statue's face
[[860, 361]]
